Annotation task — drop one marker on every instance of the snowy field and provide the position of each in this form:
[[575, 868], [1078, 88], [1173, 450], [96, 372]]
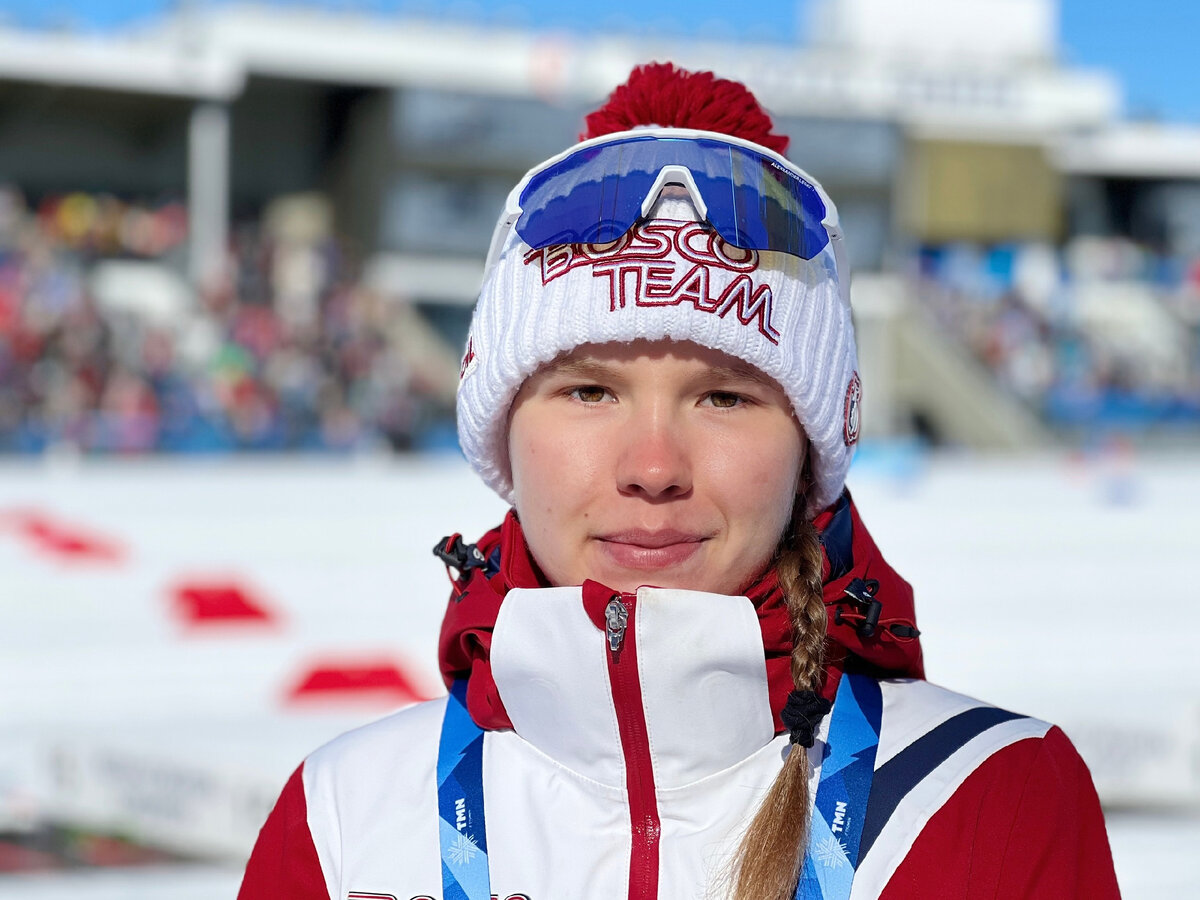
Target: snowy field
[[175, 636]]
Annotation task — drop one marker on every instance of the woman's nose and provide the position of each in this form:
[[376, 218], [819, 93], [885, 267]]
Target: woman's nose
[[655, 460]]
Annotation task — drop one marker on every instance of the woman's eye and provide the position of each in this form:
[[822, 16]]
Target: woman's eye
[[589, 393], [724, 399]]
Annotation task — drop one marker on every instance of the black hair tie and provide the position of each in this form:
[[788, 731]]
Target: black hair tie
[[802, 715]]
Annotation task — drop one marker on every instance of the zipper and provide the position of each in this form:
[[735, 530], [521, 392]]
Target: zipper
[[616, 619], [645, 826]]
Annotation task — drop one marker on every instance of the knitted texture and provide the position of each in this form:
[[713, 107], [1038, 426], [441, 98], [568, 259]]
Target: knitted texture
[[669, 278], [660, 94]]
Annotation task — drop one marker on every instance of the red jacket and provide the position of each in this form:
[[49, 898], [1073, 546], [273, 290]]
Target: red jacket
[[1002, 809]]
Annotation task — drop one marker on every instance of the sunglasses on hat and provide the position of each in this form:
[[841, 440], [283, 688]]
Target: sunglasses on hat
[[595, 192]]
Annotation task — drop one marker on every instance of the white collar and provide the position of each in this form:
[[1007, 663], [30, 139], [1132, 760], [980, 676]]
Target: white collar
[[701, 667]]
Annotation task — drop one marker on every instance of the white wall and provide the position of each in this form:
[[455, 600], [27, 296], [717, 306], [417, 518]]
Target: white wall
[[985, 30]]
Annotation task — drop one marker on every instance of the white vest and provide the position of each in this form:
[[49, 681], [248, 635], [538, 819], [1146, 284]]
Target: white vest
[[555, 787]]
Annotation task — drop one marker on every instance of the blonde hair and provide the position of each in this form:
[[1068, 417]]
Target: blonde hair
[[767, 864]]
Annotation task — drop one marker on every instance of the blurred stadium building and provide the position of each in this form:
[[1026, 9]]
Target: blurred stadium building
[[261, 227]]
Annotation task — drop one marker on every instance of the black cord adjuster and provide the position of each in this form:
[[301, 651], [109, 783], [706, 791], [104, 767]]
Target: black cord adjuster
[[862, 592], [458, 555]]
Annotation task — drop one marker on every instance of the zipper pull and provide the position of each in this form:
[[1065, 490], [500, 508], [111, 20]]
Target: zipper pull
[[616, 617]]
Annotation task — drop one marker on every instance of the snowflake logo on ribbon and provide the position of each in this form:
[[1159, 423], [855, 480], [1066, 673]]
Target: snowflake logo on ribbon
[[831, 853], [463, 850]]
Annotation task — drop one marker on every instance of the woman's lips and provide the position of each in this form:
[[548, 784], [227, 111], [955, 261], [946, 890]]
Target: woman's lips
[[650, 549]]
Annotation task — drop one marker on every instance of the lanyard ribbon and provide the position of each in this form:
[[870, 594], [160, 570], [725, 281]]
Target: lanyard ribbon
[[847, 770], [460, 802]]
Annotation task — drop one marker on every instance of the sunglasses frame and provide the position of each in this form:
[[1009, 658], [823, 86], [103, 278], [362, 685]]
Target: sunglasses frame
[[669, 174]]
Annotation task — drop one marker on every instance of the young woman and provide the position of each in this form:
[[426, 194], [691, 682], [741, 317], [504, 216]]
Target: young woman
[[661, 378]]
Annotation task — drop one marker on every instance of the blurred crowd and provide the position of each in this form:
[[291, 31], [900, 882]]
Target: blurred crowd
[[105, 347], [1101, 334]]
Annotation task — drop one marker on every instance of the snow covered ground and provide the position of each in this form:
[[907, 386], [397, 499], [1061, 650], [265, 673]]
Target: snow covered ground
[[176, 635]]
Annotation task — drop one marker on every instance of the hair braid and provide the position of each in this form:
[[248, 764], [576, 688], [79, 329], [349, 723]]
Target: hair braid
[[767, 864]]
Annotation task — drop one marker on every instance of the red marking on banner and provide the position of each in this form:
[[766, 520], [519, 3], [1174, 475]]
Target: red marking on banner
[[206, 603], [102, 851], [63, 541], [15, 858], [381, 680]]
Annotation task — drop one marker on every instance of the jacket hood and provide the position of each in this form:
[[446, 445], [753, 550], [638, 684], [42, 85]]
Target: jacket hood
[[872, 619]]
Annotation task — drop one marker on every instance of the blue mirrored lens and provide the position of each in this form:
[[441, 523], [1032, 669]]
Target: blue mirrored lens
[[595, 195]]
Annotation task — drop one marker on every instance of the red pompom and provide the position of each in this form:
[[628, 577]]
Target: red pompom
[[660, 94]]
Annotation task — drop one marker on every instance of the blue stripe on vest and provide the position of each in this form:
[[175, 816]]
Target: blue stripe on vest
[[910, 766]]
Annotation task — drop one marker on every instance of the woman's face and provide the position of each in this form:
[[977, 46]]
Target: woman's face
[[661, 463]]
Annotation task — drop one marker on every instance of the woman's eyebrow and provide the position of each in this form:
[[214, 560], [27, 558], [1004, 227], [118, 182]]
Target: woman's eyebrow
[[740, 373], [579, 368]]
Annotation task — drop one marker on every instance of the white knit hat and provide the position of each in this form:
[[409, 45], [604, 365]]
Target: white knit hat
[[671, 277]]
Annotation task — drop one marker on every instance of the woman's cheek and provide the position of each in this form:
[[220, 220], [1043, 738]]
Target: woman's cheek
[[757, 466]]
